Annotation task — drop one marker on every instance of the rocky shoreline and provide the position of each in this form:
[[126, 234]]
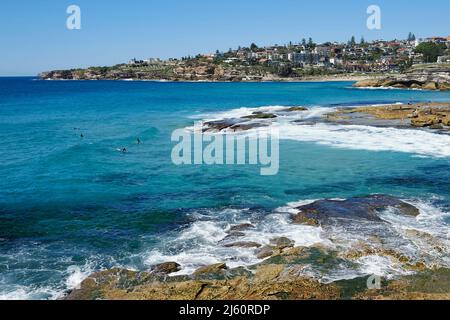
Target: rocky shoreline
[[433, 115], [422, 77], [75, 75], [283, 273]]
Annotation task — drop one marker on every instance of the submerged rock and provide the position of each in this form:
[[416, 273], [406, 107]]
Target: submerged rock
[[243, 244], [365, 208], [231, 124], [241, 227], [260, 115], [295, 109]]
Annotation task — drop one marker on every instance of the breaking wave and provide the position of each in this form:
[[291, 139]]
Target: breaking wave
[[308, 126]]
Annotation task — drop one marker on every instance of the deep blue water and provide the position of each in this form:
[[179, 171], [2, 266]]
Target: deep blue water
[[68, 202]]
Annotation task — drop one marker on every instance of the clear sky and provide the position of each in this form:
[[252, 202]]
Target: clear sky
[[34, 37]]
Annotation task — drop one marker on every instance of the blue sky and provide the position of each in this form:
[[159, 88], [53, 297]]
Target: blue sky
[[34, 37]]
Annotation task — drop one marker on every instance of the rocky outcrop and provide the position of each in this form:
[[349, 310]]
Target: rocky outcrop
[[248, 122], [279, 278], [434, 115], [360, 208], [289, 272], [166, 268], [426, 77], [260, 115]]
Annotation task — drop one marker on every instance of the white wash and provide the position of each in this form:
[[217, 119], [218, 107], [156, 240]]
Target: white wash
[[256, 147]]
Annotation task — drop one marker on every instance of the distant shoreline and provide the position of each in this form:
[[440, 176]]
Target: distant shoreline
[[281, 80]]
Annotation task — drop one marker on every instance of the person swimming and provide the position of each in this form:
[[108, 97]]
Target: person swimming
[[138, 141], [81, 135], [124, 150]]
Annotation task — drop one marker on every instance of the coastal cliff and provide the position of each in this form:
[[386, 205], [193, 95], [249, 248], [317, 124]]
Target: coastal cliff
[[198, 71], [425, 77]]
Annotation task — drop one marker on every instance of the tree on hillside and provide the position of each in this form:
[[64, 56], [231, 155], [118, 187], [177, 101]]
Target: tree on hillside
[[285, 71], [311, 44], [352, 41], [411, 37], [363, 41], [431, 51], [253, 47], [304, 42]]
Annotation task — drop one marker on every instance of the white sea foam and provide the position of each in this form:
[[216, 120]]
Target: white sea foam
[[424, 238], [370, 138], [203, 242], [381, 266], [29, 293], [281, 111], [358, 137], [77, 275]]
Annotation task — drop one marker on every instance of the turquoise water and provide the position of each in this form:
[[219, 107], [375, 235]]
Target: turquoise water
[[71, 205]]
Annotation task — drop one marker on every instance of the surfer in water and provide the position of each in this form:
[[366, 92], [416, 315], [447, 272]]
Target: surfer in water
[[138, 141]]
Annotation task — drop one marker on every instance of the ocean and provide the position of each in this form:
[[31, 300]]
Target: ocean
[[71, 203]]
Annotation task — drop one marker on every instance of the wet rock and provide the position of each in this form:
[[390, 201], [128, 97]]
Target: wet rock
[[365, 208], [165, 268], [247, 126], [231, 124], [282, 243], [235, 234], [212, 269], [241, 227], [266, 252], [219, 125], [305, 218], [243, 244], [295, 109], [260, 115]]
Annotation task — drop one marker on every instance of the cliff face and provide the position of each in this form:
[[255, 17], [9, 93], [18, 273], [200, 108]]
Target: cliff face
[[106, 74], [426, 77], [181, 71]]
